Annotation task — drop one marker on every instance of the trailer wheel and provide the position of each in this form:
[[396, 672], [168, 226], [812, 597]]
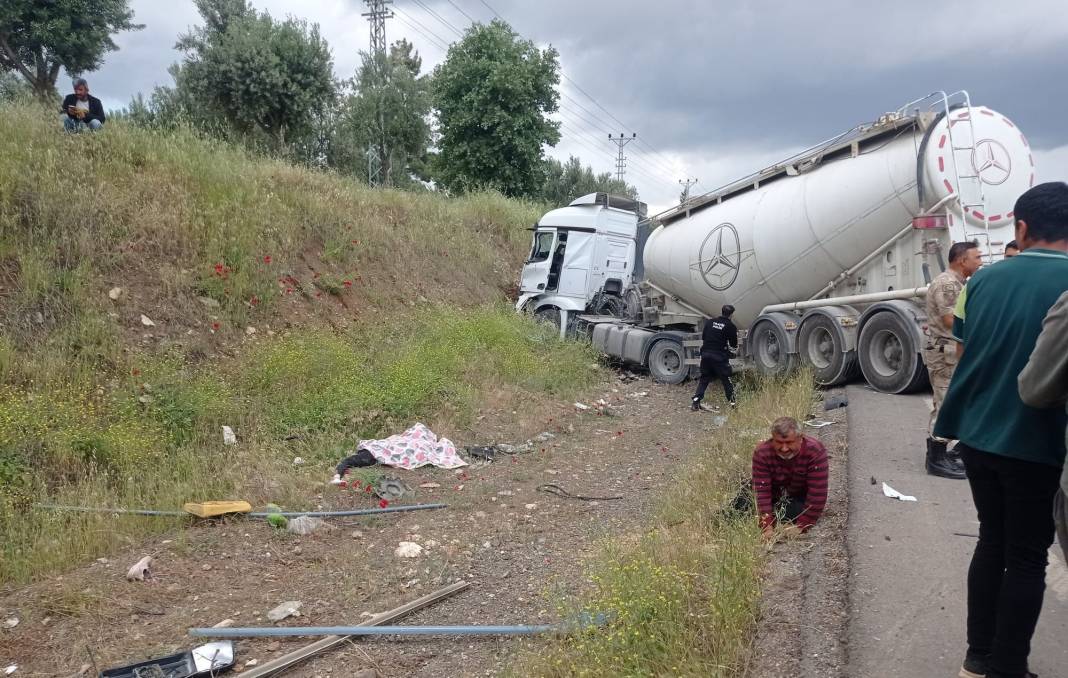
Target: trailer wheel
[[667, 362], [769, 348], [889, 357], [821, 346]]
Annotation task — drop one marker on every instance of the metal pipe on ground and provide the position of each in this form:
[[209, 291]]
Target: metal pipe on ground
[[256, 514], [274, 632]]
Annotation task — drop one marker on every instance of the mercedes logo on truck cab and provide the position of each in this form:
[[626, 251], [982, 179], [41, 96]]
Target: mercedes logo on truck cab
[[720, 257]]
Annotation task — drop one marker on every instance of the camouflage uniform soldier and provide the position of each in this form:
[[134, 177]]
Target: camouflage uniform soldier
[[940, 354]]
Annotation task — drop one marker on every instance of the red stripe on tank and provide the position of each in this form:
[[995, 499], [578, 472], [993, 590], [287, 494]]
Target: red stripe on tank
[[949, 186], [941, 164], [942, 141]]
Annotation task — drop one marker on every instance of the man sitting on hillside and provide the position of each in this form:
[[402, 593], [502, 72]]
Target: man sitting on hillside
[[789, 478], [81, 110]]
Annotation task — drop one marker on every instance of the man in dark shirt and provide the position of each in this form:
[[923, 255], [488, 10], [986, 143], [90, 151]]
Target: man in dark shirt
[[1012, 452], [81, 110], [720, 338]]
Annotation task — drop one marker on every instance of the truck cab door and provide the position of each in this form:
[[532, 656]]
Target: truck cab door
[[535, 277]]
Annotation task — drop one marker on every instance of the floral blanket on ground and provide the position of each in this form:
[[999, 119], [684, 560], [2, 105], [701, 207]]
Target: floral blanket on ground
[[418, 446]]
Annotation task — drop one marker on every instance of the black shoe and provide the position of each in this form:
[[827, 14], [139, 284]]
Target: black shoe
[[695, 405], [974, 666], [938, 464]]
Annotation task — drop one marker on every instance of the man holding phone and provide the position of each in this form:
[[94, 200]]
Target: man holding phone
[[81, 110]]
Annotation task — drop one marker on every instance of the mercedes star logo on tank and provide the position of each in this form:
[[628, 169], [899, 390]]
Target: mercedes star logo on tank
[[720, 257], [991, 162]]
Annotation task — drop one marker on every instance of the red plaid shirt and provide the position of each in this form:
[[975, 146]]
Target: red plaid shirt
[[803, 477]]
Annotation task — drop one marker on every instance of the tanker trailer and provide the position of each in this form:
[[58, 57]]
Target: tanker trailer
[[826, 255]]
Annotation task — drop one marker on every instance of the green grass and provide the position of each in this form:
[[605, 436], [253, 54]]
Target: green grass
[[387, 308], [682, 597]]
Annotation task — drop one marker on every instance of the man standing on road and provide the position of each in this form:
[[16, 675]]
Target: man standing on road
[[719, 338], [82, 110], [940, 354], [789, 478], [1013, 453], [1044, 383]]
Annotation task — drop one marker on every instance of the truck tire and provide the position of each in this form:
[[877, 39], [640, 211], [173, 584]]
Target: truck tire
[[889, 356], [549, 315], [769, 349], [821, 346], [667, 362]]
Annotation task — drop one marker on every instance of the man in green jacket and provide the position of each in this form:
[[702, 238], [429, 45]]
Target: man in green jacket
[[1012, 453], [1044, 383]]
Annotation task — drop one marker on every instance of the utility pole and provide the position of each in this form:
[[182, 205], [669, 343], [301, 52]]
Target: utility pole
[[686, 183], [376, 16], [621, 160]]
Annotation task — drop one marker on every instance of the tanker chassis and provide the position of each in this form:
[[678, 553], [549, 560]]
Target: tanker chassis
[[826, 256]]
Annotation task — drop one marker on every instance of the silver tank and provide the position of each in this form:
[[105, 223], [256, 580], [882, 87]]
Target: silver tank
[[784, 240]]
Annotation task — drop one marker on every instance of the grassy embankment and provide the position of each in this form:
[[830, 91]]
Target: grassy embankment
[[682, 596], [300, 308]]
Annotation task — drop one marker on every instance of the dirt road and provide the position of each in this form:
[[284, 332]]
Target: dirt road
[[518, 547], [907, 598]]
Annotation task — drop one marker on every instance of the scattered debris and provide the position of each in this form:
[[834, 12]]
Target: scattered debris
[[11, 622], [115, 293], [303, 525], [486, 452], [894, 494], [146, 321], [228, 436], [11, 669], [204, 660], [391, 489], [290, 608], [874, 481], [139, 571], [552, 488], [298, 461], [224, 624], [430, 486], [250, 330], [815, 423], [834, 402], [210, 509], [581, 408], [408, 549]]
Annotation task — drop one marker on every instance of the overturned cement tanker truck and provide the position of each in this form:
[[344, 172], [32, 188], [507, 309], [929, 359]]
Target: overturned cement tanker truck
[[826, 255]]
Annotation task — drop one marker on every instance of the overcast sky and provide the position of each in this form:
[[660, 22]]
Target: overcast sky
[[713, 89]]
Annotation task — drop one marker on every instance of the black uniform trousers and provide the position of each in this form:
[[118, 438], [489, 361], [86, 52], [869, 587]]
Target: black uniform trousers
[[715, 366]]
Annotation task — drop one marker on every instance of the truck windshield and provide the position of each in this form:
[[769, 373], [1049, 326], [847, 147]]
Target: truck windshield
[[543, 246]]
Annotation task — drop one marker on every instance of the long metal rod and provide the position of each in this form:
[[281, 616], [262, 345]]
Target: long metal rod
[[854, 299], [284, 662], [256, 514], [283, 631]]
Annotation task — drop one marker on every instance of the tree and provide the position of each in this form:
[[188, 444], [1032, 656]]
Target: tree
[[566, 181], [493, 94], [387, 113], [37, 38], [13, 88], [262, 76]]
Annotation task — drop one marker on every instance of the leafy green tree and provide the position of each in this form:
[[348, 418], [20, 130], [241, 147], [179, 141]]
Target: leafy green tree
[[38, 37], [566, 181], [493, 94], [387, 112], [263, 77]]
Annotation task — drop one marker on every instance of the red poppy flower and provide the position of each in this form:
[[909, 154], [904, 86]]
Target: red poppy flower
[[267, 258], [135, 371], [348, 283], [254, 301], [219, 268], [382, 503], [368, 490], [215, 326]]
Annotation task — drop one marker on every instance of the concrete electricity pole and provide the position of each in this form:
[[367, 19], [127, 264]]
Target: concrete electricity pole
[[376, 16], [621, 160], [686, 183]]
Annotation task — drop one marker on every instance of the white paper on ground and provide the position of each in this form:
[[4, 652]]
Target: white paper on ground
[[894, 494]]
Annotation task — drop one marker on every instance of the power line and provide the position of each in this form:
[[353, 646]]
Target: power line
[[437, 16], [420, 28], [461, 11], [486, 5]]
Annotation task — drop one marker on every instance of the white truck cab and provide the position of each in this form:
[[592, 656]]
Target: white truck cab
[[582, 257]]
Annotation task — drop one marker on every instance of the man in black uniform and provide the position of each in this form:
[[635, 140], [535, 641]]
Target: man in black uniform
[[719, 338]]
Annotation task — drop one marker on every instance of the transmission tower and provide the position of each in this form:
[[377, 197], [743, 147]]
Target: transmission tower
[[377, 18], [686, 183], [621, 160]]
